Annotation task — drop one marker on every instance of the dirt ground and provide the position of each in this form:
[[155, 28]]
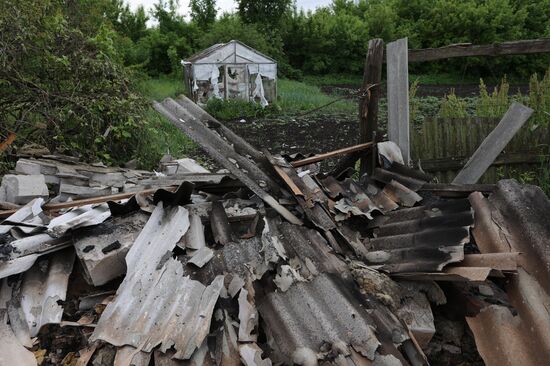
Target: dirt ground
[[321, 132], [313, 133]]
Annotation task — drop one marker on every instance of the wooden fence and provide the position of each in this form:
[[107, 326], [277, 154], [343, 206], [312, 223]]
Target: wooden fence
[[443, 145]]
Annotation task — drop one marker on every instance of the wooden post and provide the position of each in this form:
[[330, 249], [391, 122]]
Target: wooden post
[[368, 104], [398, 96], [494, 143]]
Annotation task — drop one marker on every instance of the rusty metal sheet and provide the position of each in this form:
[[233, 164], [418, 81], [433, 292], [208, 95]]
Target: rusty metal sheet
[[386, 176], [499, 261], [501, 338], [400, 194], [219, 224], [453, 274]]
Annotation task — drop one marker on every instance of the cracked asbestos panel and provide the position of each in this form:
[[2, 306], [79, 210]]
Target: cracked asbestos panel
[[35, 300], [313, 314], [156, 305]]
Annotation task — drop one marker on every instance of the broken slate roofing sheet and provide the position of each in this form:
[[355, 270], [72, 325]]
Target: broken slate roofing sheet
[[156, 304], [515, 219], [423, 238], [332, 316], [36, 298]]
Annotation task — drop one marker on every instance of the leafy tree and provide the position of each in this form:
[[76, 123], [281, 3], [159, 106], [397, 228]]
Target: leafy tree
[[165, 12], [203, 12], [267, 12], [132, 25]]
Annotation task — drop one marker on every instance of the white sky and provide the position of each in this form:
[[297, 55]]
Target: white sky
[[226, 5]]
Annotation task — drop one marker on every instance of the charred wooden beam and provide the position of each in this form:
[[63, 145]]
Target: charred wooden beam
[[368, 104]]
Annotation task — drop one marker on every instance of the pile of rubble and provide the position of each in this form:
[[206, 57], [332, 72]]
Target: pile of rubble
[[270, 262]]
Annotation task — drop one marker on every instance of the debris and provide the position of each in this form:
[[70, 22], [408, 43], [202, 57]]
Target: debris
[[222, 152], [11, 351], [248, 317], [321, 157], [21, 189], [8, 141], [201, 257], [389, 153], [102, 249], [398, 95], [35, 300], [219, 224], [194, 237], [194, 275], [251, 355]]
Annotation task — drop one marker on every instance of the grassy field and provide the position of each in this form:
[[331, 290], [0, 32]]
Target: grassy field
[[164, 137], [298, 97], [158, 89]]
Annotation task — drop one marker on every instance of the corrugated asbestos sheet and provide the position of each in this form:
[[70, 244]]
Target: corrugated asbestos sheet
[[515, 219], [299, 269], [334, 317], [421, 238], [226, 154], [156, 304]]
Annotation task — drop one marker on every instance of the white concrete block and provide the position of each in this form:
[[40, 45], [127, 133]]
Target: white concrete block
[[21, 189]]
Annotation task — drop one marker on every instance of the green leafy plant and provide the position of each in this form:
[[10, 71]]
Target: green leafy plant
[[539, 99], [452, 106], [235, 109], [493, 104]]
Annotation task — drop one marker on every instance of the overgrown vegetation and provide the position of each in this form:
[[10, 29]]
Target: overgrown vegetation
[[333, 39], [76, 76], [492, 103], [63, 88]]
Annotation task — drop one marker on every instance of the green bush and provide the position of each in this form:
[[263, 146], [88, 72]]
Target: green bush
[[64, 89], [231, 109]]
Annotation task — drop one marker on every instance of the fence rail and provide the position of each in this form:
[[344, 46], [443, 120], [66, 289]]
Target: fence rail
[[443, 145]]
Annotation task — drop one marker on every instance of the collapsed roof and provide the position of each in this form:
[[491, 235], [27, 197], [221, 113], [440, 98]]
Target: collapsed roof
[[270, 263]]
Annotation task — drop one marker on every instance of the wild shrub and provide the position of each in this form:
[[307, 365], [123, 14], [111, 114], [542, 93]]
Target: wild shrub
[[235, 109], [493, 104], [452, 106], [64, 89]]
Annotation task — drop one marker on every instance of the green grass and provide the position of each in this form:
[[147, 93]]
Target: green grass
[[293, 98], [298, 97], [443, 79], [162, 137], [163, 87], [334, 79]]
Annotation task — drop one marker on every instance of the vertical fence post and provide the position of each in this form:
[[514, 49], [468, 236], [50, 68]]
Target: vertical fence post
[[368, 102], [398, 95]]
